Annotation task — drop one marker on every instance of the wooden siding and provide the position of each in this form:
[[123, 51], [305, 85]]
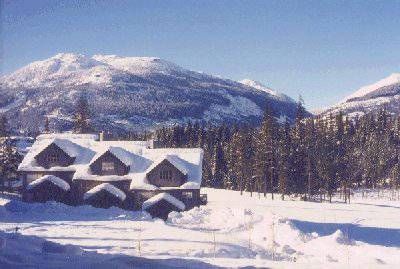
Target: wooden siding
[[161, 209], [120, 168], [178, 178], [63, 159], [47, 191], [65, 175], [104, 199], [139, 196]]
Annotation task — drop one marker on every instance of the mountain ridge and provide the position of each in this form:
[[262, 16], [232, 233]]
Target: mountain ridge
[[130, 93], [371, 98]]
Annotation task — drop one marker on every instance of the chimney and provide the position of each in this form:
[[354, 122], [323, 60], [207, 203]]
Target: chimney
[[101, 136]]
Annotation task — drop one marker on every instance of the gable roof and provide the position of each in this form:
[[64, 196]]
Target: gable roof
[[121, 154], [50, 178], [163, 196], [76, 146], [136, 154], [173, 159], [106, 187]]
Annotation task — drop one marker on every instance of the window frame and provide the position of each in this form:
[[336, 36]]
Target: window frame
[[107, 166], [166, 174], [187, 195], [53, 158]]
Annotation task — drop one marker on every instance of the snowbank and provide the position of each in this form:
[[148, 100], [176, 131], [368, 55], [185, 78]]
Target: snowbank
[[232, 230]]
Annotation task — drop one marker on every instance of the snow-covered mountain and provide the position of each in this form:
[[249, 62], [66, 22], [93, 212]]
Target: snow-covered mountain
[[371, 98], [127, 93], [259, 86]]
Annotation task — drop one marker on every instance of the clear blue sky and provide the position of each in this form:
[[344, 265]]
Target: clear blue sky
[[322, 50]]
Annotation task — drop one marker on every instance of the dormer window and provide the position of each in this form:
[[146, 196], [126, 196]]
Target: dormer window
[[52, 158], [107, 166], [166, 174]]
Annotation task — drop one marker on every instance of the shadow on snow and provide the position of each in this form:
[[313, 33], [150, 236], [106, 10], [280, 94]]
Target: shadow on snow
[[388, 237], [21, 251]]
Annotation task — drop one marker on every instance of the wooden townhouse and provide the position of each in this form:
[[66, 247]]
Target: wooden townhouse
[[81, 169]]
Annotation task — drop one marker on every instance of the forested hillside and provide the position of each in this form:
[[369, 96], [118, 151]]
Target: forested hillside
[[312, 158]]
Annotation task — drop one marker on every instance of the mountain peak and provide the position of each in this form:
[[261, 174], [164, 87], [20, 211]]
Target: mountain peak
[[261, 87], [371, 98], [392, 79], [127, 93], [138, 65]]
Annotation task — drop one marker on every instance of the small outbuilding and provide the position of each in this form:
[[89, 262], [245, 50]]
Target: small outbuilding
[[47, 188], [105, 195], [162, 204]]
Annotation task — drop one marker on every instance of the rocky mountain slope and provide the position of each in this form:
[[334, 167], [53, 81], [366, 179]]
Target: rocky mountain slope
[[371, 98], [130, 93]]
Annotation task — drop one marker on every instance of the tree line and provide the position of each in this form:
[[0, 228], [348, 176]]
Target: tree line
[[314, 158]]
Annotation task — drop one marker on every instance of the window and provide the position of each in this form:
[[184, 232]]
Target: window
[[166, 174], [52, 158], [187, 194], [32, 177], [107, 166]]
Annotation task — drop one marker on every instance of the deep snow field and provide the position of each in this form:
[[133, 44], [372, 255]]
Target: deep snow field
[[231, 231]]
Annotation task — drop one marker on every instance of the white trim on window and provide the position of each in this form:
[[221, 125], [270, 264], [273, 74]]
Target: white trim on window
[[107, 166]]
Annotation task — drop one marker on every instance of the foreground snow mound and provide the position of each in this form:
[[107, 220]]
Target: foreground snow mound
[[204, 218], [52, 210], [19, 251], [232, 230], [52, 247]]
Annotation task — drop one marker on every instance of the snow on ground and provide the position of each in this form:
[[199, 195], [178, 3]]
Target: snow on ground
[[231, 231]]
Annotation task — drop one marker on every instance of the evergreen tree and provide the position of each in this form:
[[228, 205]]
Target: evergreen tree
[[285, 150], [4, 128], [46, 125], [219, 166], [265, 159], [300, 151], [9, 157], [82, 116]]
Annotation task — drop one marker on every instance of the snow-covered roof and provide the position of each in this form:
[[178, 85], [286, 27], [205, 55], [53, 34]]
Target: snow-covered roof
[[53, 179], [123, 155], [173, 159], [163, 196], [106, 187], [138, 155]]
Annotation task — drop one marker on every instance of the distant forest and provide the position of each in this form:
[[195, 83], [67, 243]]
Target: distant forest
[[313, 158]]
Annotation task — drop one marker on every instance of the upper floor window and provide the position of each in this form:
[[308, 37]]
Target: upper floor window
[[166, 174], [52, 158], [107, 166]]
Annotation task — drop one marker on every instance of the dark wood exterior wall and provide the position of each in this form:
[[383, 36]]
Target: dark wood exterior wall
[[120, 168], [104, 199], [63, 158], [65, 175], [161, 209], [47, 191], [83, 186], [139, 196], [178, 178]]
